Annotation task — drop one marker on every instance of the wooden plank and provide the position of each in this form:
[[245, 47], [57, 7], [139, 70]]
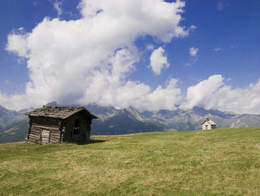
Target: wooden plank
[[45, 127], [46, 121], [55, 136], [35, 134], [45, 136]]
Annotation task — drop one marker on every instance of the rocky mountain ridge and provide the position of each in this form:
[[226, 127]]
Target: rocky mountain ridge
[[7, 117], [112, 121], [191, 119]]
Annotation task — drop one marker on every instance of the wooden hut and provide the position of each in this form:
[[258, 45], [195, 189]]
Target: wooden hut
[[208, 124], [52, 124]]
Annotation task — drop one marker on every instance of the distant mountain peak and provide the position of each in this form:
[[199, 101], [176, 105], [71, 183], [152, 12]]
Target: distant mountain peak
[[134, 113], [7, 117], [54, 103]]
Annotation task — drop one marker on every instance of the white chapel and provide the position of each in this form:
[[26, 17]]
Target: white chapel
[[208, 124]]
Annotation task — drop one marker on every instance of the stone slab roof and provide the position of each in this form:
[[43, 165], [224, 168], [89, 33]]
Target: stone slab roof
[[57, 112]]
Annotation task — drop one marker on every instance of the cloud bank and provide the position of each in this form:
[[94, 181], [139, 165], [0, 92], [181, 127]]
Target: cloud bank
[[88, 60], [214, 94]]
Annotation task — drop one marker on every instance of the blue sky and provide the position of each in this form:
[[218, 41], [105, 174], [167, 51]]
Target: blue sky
[[148, 54]]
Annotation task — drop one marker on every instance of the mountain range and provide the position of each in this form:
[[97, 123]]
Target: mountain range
[[7, 117], [111, 121]]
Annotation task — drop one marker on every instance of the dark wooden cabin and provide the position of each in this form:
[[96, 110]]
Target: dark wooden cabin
[[51, 124]]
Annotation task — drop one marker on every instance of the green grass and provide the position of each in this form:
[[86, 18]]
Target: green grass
[[217, 162]]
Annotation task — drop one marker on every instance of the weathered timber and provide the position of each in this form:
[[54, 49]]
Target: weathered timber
[[51, 124]]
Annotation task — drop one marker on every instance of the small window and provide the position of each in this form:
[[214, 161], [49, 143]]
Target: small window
[[76, 124], [76, 127]]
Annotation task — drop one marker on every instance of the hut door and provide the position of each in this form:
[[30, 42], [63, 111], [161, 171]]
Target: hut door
[[206, 127], [45, 136]]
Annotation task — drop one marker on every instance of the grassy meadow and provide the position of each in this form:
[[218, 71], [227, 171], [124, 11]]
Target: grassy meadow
[[212, 162]]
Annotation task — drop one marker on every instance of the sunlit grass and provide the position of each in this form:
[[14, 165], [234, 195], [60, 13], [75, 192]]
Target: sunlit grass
[[218, 162]]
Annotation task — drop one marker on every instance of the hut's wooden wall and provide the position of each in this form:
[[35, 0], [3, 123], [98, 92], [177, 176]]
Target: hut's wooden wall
[[45, 130], [53, 130], [68, 125]]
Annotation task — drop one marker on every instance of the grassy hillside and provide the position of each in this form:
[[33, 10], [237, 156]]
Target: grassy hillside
[[218, 162]]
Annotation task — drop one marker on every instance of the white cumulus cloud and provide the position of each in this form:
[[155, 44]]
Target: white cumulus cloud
[[193, 51], [158, 61], [89, 60], [214, 94]]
